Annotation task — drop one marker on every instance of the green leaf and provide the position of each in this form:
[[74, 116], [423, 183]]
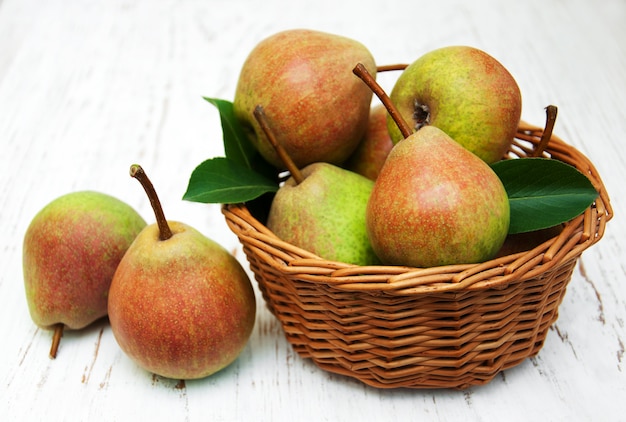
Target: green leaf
[[237, 147], [543, 192], [222, 180]]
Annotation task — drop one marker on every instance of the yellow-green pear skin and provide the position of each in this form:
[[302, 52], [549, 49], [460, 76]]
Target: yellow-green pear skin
[[435, 203], [71, 250], [317, 108], [466, 93], [325, 214], [182, 308]]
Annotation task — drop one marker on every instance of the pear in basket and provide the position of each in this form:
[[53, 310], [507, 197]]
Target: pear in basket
[[434, 202], [466, 93], [321, 209], [303, 80]]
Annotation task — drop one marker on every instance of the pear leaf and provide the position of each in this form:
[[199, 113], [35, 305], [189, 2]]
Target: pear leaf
[[543, 192], [222, 180], [237, 147]]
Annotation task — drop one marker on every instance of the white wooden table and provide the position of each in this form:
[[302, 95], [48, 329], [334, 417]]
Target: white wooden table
[[87, 88]]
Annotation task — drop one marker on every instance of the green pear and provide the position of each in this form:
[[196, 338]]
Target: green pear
[[372, 151], [466, 93], [71, 250], [435, 203], [316, 106], [180, 305], [325, 214]]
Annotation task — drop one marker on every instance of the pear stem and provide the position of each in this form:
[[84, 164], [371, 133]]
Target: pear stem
[[369, 80], [56, 339], [261, 118], [551, 112], [388, 67], [164, 229]]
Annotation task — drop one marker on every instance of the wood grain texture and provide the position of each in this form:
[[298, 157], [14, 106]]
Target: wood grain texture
[[88, 88]]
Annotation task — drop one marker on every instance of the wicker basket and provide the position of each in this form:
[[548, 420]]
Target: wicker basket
[[444, 327]]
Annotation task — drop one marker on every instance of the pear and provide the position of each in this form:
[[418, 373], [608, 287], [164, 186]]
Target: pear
[[466, 93], [180, 305], [316, 106], [71, 250], [372, 151], [325, 214], [435, 203], [320, 208]]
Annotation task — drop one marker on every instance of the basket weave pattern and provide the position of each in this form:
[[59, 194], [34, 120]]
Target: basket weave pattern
[[444, 327]]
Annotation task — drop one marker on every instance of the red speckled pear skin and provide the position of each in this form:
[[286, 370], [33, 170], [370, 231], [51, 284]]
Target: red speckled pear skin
[[316, 107], [435, 203], [375, 146], [71, 250], [182, 308]]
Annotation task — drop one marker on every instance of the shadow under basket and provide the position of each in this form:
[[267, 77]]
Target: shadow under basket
[[443, 327]]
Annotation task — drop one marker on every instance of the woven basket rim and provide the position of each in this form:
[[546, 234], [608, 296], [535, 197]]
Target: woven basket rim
[[577, 235]]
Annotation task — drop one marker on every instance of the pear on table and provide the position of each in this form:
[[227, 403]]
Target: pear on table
[[71, 250], [180, 305], [303, 80], [434, 202]]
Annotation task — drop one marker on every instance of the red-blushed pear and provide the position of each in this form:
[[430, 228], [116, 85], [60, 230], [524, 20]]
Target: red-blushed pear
[[316, 106], [434, 202], [466, 93], [71, 250], [180, 305], [372, 151]]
